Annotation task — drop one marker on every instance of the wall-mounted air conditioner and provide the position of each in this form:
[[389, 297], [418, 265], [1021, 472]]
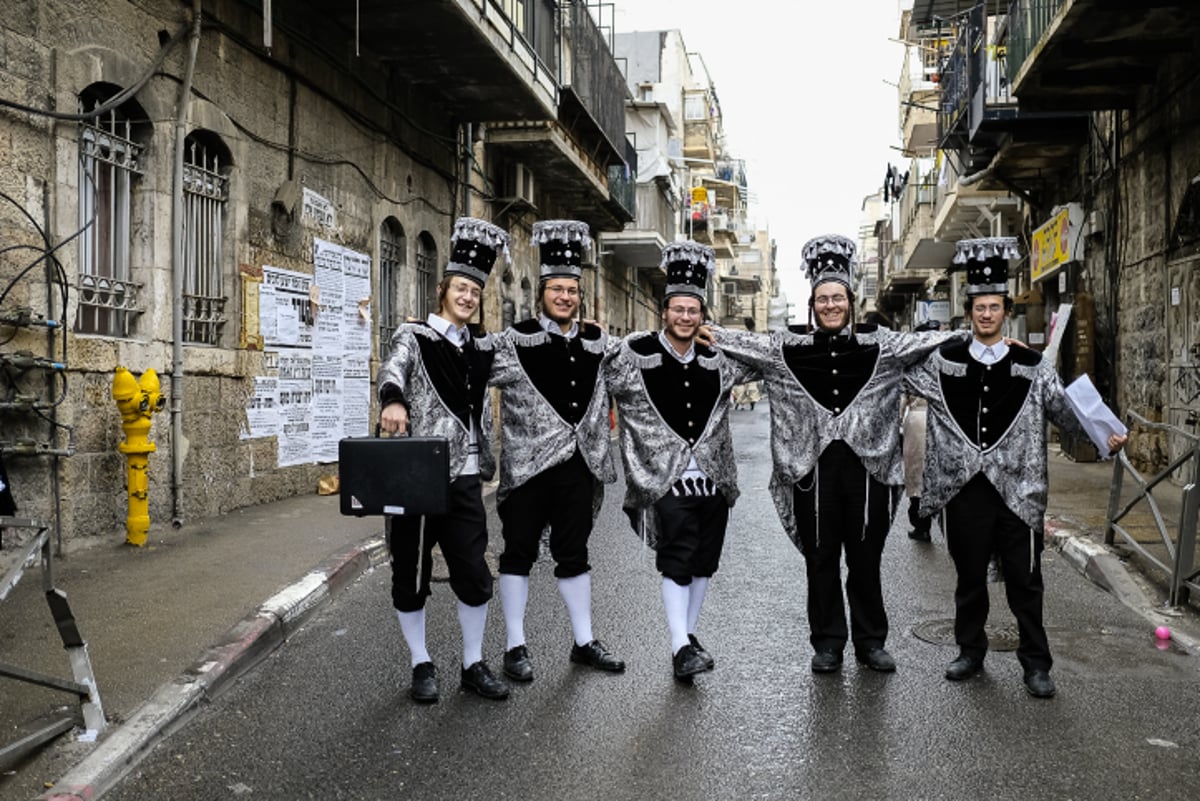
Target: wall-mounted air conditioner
[[518, 182]]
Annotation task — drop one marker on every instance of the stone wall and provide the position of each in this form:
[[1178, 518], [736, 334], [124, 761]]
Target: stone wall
[[303, 112]]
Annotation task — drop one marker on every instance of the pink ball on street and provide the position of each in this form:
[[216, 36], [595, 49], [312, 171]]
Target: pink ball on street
[[1162, 633]]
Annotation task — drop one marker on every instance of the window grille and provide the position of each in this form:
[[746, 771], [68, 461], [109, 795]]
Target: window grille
[[108, 162], [391, 264], [205, 192], [426, 261]]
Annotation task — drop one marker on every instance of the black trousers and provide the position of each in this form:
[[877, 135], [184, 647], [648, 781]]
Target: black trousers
[[462, 535], [691, 535], [840, 507], [979, 524], [561, 497]]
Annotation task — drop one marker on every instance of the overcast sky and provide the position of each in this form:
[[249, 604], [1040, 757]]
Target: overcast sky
[[808, 97]]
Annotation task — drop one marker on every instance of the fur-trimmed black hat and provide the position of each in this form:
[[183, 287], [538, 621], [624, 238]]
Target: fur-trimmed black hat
[[830, 258], [688, 265], [986, 263], [474, 247], [561, 244]]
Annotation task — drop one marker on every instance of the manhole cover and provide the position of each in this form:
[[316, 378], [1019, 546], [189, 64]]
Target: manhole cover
[[1001, 637]]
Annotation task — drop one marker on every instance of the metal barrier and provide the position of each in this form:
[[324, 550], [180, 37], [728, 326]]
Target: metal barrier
[[1181, 572], [84, 684]]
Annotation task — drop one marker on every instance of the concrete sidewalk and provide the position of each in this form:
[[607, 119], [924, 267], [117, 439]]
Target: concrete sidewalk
[[168, 625], [171, 625]]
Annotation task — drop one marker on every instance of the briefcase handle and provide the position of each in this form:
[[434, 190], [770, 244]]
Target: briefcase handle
[[379, 431]]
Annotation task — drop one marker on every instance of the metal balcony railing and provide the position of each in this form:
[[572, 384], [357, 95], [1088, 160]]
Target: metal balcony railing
[[1027, 21], [595, 76], [975, 80], [622, 180]]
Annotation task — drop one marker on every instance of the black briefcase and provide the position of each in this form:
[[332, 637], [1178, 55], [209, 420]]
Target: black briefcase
[[394, 475]]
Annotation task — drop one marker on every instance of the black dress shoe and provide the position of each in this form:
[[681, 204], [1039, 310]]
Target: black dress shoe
[[921, 534], [1039, 684], [517, 664], [964, 667], [687, 662], [705, 655], [877, 659], [596, 655], [826, 662], [478, 679], [424, 688]]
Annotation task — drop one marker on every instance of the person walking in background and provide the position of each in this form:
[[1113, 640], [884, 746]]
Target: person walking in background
[[434, 383], [835, 403], [985, 462], [673, 396], [912, 422], [555, 453]]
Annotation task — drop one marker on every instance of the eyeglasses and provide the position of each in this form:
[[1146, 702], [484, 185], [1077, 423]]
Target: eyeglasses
[[830, 300], [569, 291], [684, 311], [993, 308]]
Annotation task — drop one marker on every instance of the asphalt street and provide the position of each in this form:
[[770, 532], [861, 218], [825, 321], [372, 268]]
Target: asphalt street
[[327, 716]]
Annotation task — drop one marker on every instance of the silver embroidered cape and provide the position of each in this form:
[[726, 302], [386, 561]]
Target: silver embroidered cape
[[654, 456], [428, 416], [1015, 464], [801, 428], [533, 436]]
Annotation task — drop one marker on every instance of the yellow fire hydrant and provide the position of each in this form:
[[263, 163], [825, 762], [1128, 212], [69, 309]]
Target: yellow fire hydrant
[[137, 400]]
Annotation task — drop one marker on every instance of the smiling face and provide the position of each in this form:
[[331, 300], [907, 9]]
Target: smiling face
[[682, 317], [987, 315], [459, 300], [831, 306], [560, 299]]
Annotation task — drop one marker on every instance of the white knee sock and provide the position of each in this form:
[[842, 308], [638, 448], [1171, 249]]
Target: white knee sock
[[696, 591], [514, 594], [576, 592], [675, 604], [473, 620], [412, 625]]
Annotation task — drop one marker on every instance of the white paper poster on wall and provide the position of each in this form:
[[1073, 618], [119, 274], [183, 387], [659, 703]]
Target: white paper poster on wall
[[295, 407], [322, 390], [285, 318], [262, 412]]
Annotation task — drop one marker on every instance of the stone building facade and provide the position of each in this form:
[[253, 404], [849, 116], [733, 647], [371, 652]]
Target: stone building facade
[[300, 135]]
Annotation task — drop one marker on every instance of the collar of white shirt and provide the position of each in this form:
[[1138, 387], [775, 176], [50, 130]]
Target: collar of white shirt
[[682, 357], [457, 336], [988, 354], [555, 328]]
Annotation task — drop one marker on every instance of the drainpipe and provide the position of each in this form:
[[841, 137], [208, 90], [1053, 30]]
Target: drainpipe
[[178, 443]]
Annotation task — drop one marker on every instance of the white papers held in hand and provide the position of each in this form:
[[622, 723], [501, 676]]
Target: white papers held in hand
[[1097, 420]]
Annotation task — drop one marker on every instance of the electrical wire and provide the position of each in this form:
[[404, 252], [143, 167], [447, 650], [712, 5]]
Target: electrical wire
[[113, 102]]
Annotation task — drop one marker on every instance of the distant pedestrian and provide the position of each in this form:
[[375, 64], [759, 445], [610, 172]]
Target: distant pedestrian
[[434, 383], [986, 463], [555, 451], [673, 397], [912, 423], [835, 406]]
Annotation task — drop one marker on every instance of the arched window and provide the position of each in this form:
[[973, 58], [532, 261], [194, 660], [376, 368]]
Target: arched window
[[206, 165], [109, 165], [424, 283], [393, 247]]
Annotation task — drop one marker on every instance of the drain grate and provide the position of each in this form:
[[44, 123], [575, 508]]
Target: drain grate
[[1001, 637]]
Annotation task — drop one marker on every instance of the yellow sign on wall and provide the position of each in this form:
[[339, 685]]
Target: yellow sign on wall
[[1056, 243]]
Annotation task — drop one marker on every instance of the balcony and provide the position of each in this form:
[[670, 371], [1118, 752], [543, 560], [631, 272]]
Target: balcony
[[1093, 55], [998, 142], [581, 155], [641, 242], [967, 212], [919, 254], [700, 126], [469, 54]]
